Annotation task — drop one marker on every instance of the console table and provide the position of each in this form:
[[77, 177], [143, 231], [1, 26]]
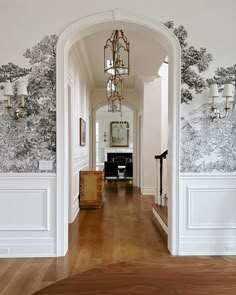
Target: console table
[[91, 188]]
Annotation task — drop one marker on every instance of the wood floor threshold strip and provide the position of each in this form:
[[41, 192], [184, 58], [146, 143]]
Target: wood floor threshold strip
[[160, 220]]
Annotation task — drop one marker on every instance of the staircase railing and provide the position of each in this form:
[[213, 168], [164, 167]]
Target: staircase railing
[[160, 195]]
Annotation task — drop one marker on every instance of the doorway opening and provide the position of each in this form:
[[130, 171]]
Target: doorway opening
[[79, 30], [114, 136]]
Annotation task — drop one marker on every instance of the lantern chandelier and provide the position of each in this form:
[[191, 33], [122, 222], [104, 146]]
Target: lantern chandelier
[[227, 93], [114, 93], [116, 63]]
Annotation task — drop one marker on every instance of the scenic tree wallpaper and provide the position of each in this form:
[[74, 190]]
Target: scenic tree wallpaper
[[206, 145], [23, 143]]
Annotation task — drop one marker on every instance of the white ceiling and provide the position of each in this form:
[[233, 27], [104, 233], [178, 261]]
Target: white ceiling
[[146, 56]]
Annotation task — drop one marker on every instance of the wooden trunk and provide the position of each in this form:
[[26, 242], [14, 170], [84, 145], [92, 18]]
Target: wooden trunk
[[91, 188]]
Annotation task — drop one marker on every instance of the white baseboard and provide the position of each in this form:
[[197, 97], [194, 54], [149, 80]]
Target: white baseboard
[[35, 247], [160, 221], [148, 191], [207, 246]]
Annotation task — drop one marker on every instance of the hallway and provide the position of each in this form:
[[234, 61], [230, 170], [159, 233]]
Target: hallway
[[123, 230]]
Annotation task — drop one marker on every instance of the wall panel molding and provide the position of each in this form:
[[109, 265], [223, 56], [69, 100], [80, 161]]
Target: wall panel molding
[[28, 225], [226, 197], [25, 196], [207, 214]]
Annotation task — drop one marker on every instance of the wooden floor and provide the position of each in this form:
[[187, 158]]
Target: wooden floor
[[124, 230], [167, 276]]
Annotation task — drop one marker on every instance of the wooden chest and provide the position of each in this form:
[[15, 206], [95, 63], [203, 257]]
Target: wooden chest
[[91, 188]]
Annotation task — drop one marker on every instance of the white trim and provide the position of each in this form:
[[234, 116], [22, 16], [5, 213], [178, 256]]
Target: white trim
[[208, 246], [159, 219], [148, 191], [207, 175], [28, 175], [72, 34]]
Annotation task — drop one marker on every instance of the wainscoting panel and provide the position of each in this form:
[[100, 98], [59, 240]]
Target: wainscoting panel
[[27, 215], [207, 214], [78, 164], [34, 213]]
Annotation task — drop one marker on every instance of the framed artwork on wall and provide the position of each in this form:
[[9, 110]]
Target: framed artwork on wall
[[82, 132], [119, 134]]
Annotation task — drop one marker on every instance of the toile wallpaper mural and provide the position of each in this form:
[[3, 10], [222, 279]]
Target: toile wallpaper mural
[[23, 143], [206, 145]]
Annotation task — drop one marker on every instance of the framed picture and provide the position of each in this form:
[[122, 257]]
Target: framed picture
[[82, 132], [119, 134]]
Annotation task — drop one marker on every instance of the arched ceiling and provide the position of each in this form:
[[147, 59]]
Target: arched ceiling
[[146, 56]]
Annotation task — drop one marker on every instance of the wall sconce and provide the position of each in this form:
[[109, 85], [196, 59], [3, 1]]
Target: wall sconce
[[227, 92], [20, 110], [105, 136]]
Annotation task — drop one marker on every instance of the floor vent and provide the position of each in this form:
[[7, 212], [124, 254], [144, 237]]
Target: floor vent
[[4, 251]]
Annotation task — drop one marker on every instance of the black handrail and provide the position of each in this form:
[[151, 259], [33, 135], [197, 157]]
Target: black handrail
[[161, 157]]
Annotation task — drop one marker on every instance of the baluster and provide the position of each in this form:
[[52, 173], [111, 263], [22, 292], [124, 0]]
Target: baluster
[[157, 196], [164, 181]]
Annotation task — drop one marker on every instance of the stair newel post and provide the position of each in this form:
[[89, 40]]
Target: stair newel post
[[157, 195], [161, 182]]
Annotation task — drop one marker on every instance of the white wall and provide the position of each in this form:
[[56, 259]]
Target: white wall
[[151, 134], [79, 108], [104, 118]]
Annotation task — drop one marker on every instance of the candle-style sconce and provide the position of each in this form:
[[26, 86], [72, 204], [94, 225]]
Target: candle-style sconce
[[214, 93], [16, 109]]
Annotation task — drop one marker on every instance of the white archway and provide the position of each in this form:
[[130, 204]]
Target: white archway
[[74, 33]]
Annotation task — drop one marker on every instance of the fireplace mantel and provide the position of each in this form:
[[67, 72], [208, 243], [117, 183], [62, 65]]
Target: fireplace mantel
[[117, 150]]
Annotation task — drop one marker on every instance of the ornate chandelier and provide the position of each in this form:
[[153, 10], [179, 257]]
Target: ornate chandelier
[[116, 54], [114, 93], [116, 63]]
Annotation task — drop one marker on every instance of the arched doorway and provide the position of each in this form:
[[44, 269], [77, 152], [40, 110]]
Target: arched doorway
[[72, 34]]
